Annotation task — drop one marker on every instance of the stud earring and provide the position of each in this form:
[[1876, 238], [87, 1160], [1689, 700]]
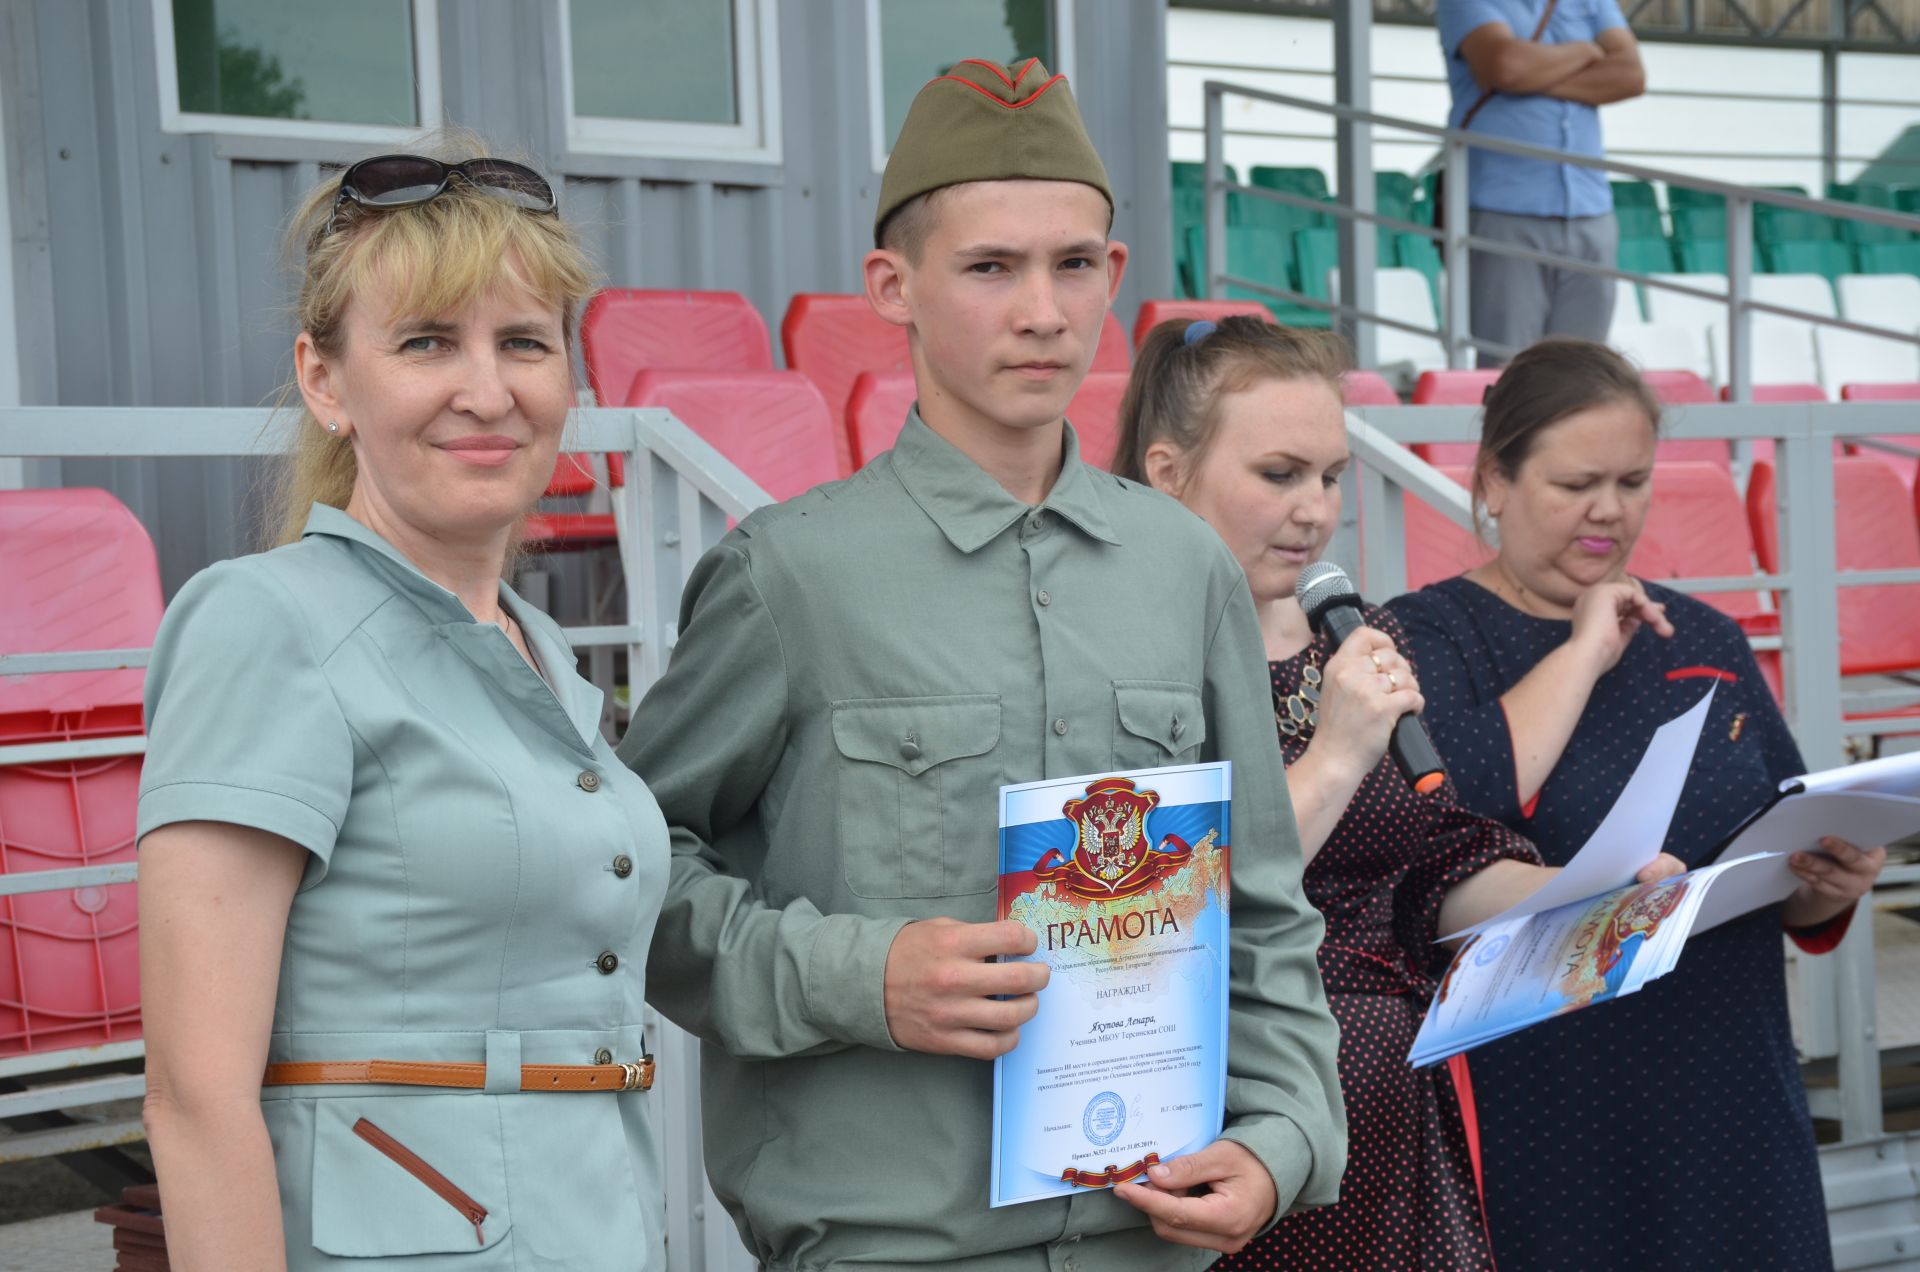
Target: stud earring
[[333, 426]]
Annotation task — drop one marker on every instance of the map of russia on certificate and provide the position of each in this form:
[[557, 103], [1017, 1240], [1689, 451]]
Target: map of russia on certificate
[[1123, 879]]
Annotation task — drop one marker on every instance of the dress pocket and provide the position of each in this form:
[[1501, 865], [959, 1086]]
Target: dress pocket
[[407, 1175], [917, 779], [1156, 722]]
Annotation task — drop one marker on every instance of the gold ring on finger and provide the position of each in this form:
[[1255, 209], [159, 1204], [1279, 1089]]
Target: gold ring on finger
[[1375, 655], [1393, 682]]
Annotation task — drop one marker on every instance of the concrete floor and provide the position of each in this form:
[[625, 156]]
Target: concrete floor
[[63, 1243]]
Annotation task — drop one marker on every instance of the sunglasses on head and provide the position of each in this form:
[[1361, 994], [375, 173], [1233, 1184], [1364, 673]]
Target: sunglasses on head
[[386, 182]]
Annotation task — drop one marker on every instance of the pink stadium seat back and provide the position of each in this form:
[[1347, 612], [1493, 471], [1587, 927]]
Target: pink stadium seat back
[[1095, 415], [773, 425], [876, 410], [1781, 393], [1369, 388], [1678, 388], [1907, 391], [1154, 312], [1697, 528], [1453, 388], [626, 331], [832, 338], [1874, 530], [1113, 353], [1436, 548], [77, 571]]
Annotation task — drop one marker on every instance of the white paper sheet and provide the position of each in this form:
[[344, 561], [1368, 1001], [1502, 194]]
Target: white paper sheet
[[1634, 829]]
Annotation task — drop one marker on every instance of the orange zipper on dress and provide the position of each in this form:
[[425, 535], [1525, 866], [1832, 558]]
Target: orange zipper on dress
[[413, 1164]]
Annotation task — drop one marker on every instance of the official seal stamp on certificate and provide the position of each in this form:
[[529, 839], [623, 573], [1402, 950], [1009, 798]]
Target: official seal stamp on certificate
[[1122, 878]]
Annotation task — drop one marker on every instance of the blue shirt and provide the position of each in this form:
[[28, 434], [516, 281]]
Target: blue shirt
[[1507, 183]]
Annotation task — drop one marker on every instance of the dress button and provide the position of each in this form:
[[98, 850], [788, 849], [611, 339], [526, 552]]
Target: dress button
[[910, 747], [1060, 727], [588, 781], [603, 1056], [607, 962], [622, 866], [1045, 598]]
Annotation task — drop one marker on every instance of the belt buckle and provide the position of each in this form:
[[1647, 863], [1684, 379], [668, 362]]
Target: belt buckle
[[639, 1074]]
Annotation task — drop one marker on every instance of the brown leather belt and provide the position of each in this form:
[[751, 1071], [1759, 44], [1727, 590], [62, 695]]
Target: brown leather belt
[[635, 1076]]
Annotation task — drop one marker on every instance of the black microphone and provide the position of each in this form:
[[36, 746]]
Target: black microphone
[[1333, 608]]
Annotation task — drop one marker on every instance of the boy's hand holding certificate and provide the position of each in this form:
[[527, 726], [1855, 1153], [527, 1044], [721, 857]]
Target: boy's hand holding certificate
[[1122, 878]]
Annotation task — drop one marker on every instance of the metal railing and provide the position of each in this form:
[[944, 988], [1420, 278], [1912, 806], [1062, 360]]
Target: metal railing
[[676, 501], [1456, 240]]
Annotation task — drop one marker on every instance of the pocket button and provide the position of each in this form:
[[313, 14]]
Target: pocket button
[[910, 747], [603, 1056]]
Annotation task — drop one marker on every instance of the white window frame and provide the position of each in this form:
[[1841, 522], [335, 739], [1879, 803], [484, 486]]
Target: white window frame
[[426, 78], [876, 77], [756, 76]]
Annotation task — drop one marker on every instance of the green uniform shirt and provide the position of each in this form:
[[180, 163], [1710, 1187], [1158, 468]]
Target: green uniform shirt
[[481, 884], [858, 672]]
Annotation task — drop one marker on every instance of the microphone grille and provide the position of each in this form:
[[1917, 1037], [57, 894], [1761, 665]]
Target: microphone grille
[[1321, 583]]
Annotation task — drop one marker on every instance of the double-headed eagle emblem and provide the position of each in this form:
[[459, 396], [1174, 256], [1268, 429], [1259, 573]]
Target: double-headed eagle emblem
[[1111, 858]]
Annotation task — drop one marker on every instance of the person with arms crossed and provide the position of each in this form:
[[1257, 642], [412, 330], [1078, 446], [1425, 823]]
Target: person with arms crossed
[[1669, 1129], [395, 889], [860, 669], [1545, 90]]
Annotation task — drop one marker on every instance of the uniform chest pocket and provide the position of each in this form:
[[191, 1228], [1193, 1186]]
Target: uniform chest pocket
[[918, 779], [1156, 722]]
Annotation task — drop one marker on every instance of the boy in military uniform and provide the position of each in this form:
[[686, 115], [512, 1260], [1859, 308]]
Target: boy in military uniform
[[861, 668]]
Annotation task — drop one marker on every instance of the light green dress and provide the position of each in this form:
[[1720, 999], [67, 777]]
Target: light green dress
[[483, 884]]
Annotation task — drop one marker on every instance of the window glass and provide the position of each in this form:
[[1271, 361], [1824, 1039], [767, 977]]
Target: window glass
[[655, 59], [918, 40], [345, 61]]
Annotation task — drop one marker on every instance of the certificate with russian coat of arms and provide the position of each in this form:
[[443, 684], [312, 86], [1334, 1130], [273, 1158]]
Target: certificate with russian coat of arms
[[1123, 879]]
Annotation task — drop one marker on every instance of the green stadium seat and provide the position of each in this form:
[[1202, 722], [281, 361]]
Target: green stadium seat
[[1393, 194], [1687, 197], [1315, 251], [1707, 256], [1423, 201], [1811, 256], [1645, 254], [1699, 221], [1189, 212], [1258, 254], [1279, 218], [1308, 181], [1634, 194], [1870, 193], [1635, 221], [1890, 258], [1790, 225], [1195, 174]]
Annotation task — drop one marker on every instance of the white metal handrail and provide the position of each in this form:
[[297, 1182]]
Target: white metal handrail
[[1456, 240]]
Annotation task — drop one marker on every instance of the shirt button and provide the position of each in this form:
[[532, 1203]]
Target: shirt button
[[622, 866], [1060, 727], [1178, 728], [607, 962], [910, 747], [1045, 598], [603, 1056], [588, 781], [1038, 521]]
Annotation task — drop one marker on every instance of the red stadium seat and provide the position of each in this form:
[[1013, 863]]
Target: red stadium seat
[[626, 331], [1154, 312], [773, 425], [1874, 529], [1369, 388], [1902, 392], [78, 572], [1781, 393], [832, 338], [876, 410], [1436, 548], [1453, 388], [1095, 415], [1678, 388]]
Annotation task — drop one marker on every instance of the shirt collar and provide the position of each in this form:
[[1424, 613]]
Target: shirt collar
[[971, 508], [486, 645]]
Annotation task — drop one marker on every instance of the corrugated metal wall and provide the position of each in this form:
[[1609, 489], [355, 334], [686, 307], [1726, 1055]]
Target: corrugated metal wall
[[147, 266]]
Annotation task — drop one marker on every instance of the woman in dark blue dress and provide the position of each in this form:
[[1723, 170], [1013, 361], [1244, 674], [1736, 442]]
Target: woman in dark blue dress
[[1668, 1129]]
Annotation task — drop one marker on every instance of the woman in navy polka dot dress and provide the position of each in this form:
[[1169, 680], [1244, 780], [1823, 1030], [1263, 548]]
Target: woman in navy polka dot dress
[[1243, 422], [1669, 1129]]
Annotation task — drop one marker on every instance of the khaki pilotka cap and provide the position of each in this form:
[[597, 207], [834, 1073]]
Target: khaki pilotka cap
[[983, 122]]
